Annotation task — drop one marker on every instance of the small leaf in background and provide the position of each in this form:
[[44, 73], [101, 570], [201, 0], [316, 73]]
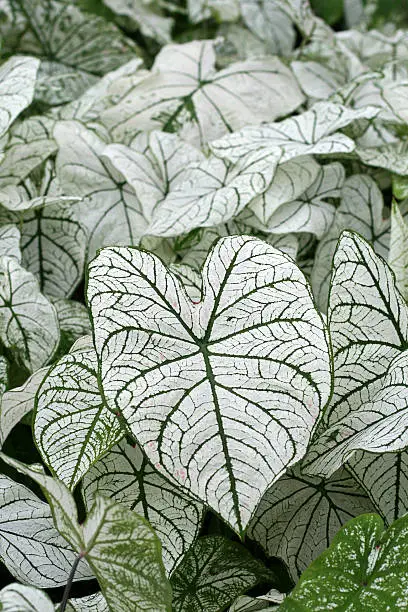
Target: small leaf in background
[[398, 256], [364, 569], [213, 573], [19, 598]]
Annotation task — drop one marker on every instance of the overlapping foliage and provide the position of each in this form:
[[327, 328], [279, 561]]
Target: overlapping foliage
[[203, 305]]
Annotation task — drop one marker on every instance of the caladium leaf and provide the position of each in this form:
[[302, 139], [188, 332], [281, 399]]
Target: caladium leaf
[[3, 381], [270, 24], [368, 322], [53, 244], [111, 211], [155, 168], [75, 46], [30, 546], [314, 132], [190, 279], [223, 365], [311, 212], [126, 476], [268, 602], [19, 598], [398, 255], [222, 10], [290, 181], [73, 428], [18, 402], [298, 517], [213, 573], [17, 84], [184, 93], [28, 321], [362, 569], [392, 157], [212, 193], [73, 320], [361, 210], [10, 241], [112, 536], [30, 143], [138, 14], [89, 603]]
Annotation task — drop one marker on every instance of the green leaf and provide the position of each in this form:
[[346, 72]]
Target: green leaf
[[73, 428], [251, 357], [330, 10], [213, 573], [119, 545], [364, 569], [125, 476]]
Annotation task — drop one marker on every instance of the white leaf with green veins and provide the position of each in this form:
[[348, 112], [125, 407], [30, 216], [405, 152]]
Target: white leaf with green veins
[[298, 517], [10, 241], [89, 603], [126, 476], [361, 210], [28, 321], [3, 383], [251, 357], [73, 320], [291, 179], [137, 14], [72, 427], [20, 598], [119, 545], [185, 94], [17, 83], [313, 132], [398, 255], [76, 47], [190, 278], [53, 245], [311, 213], [155, 169], [213, 573], [111, 211], [17, 199], [30, 143], [268, 602], [364, 569], [392, 157], [384, 476], [18, 402], [30, 546], [221, 10], [212, 193], [368, 323]]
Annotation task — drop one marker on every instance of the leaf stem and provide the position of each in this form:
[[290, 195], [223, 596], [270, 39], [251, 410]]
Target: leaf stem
[[69, 583]]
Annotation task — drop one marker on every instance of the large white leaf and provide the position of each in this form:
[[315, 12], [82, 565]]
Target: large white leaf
[[119, 545], [28, 321], [111, 211], [368, 323], [385, 478], [398, 255], [73, 428], [228, 390], [30, 546], [311, 212], [361, 210], [126, 476], [184, 93], [212, 193], [17, 84], [18, 402], [298, 517], [314, 132], [19, 598], [213, 573]]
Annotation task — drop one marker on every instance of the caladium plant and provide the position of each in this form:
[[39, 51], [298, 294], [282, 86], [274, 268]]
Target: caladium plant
[[203, 306]]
